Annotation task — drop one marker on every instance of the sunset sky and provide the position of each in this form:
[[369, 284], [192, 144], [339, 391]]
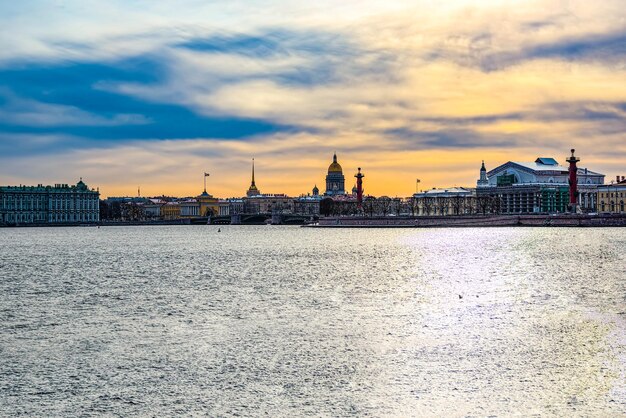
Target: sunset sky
[[152, 94]]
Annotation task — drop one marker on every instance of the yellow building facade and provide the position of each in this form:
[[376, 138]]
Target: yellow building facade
[[209, 205], [612, 198], [170, 211]]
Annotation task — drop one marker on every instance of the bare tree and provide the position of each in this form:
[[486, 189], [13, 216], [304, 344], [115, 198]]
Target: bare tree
[[495, 204], [397, 206], [369, 205], [457, 204], [326, 206], [413, 205], [384, 205], [428, 205], [484, 204], [441, 205]]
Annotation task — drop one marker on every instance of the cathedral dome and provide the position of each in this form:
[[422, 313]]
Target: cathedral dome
[[335, 167]]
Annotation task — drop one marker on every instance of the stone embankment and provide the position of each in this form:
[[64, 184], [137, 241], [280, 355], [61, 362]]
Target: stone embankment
[[570, 220]]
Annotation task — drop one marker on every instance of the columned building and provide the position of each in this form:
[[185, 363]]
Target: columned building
[[269, 203], [335, 181], [47, 204], [450, 201], [538, 186], [189, 208]]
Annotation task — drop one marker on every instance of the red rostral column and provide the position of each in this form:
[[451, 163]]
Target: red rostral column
[[359, 188], [573, 180]]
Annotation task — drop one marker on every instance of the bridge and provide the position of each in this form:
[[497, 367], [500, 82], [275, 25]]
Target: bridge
[[262, 219]]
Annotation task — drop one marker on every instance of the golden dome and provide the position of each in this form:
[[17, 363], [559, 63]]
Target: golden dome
[[335, 167]]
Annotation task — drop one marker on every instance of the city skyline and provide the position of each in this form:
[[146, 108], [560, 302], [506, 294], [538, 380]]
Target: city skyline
[[154, 95]]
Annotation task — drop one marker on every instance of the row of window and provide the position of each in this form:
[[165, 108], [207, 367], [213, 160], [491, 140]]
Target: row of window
[[42, 217], [613, 194], [612, 206]]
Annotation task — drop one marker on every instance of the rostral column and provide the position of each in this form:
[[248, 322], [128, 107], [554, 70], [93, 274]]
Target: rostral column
[[573, 180], [359, 188]]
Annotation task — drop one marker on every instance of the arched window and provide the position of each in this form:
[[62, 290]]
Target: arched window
[[612, 206], [621, 206], [602, 207]]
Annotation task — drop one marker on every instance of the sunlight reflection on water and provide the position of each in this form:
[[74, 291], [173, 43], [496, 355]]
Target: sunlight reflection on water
[[295, 321]]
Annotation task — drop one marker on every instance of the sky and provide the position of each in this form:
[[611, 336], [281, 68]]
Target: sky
[[129, 93]]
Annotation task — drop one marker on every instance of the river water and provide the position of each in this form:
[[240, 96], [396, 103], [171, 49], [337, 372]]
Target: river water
[[288, 321]]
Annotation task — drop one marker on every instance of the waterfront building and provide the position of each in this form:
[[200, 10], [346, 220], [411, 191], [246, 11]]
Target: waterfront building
[[538, 186], [170, 211], [612, 197], [236, 206], [268, 203], [335, 180], [60, 203], [189, 208], [208, 205], [308, 204], [223, 207], [152, 209], [445, 201]]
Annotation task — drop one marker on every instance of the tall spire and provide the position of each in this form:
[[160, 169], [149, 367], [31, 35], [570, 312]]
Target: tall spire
[[253, 172], [253, 191], [335, 157]]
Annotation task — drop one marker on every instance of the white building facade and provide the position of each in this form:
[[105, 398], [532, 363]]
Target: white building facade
[[538, 186]]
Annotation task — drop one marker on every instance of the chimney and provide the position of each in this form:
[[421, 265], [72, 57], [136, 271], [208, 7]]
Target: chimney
[[623, 178], [617, 179]]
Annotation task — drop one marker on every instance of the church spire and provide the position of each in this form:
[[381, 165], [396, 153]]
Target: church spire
[[482, 180]]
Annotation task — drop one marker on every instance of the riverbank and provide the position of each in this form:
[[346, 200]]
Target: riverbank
[[102, 223], [536, 220], [560, 220]]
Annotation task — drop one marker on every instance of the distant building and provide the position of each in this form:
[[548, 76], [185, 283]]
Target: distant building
[[236, 206], [47, 204], [189, 208], [538, 186], [308, 204], [335, 180], [170, 211], [612, 197], [446, 201], [269, 203], [152, 209]]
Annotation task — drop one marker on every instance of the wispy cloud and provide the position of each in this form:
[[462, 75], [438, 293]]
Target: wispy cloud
[[213, 83]]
